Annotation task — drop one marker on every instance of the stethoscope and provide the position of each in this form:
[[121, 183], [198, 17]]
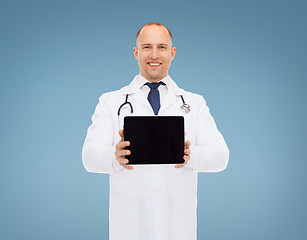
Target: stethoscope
[[185, 107]]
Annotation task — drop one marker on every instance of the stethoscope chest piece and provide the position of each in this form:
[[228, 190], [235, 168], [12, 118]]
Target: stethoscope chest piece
[[186, 108]]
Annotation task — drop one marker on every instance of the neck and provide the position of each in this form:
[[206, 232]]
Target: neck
[[152, 79]]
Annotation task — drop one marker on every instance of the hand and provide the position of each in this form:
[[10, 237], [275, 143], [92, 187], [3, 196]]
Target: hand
[[186, 156], [120, 152]]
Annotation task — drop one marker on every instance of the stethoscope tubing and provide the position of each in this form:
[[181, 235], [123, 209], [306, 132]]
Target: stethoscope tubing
[[126, 102], [185, 107]]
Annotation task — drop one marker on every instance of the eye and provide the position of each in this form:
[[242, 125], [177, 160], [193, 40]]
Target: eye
[[162, 47], [146, 47]]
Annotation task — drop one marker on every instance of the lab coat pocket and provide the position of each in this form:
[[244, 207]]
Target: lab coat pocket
[[124, 182], [185, 180]]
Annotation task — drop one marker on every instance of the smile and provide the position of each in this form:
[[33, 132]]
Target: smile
[[154, 64]]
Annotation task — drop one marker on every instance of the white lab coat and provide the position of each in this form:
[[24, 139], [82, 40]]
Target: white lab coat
[[153, 202]]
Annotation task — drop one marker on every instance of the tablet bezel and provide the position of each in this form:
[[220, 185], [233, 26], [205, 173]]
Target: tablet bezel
[[166, 135]]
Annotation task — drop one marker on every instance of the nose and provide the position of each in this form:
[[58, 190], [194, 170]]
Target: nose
[[154, 53]]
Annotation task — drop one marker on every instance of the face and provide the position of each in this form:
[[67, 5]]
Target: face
[[154, 52]]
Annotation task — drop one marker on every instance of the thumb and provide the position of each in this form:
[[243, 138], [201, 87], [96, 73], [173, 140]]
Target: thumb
[[121, 134]]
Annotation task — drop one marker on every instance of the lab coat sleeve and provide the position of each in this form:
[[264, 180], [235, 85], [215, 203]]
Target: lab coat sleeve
[[209, 152], [98, 153]]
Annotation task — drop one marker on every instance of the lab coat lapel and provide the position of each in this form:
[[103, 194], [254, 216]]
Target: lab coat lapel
[[139, 97], [135, 93], [171, 97]]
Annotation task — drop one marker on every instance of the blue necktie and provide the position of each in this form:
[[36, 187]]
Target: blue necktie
[[154, 96]]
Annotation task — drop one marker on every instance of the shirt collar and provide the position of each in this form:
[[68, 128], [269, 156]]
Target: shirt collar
[[140, 81]]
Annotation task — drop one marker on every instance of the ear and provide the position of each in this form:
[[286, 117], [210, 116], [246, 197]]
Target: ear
[[135, 52], [173, 53]]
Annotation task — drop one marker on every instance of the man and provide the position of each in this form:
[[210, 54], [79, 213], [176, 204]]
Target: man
[[153, 202]]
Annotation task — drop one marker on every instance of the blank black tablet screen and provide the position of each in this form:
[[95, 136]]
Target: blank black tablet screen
[[154, 139]]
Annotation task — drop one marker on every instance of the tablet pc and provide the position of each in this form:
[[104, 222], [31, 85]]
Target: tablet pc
[[154, 139]]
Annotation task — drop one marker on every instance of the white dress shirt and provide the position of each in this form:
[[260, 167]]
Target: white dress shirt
[[141, 81]]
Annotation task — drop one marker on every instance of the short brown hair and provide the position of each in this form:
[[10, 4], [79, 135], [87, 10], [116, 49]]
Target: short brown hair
[[154, 23]]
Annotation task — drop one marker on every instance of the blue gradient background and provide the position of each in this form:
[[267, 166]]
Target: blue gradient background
[[247, 58]]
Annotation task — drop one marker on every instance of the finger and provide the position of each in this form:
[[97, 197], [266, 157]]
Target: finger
[[122, 144], [187, 144], [187, 151], [122, 152], [121, 133], [122, 160], [182, 164], [185, 158], [179, 165], [125, 152], [126, 166]]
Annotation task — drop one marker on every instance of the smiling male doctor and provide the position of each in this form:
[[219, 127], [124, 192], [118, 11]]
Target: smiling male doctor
[[155, 202]]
